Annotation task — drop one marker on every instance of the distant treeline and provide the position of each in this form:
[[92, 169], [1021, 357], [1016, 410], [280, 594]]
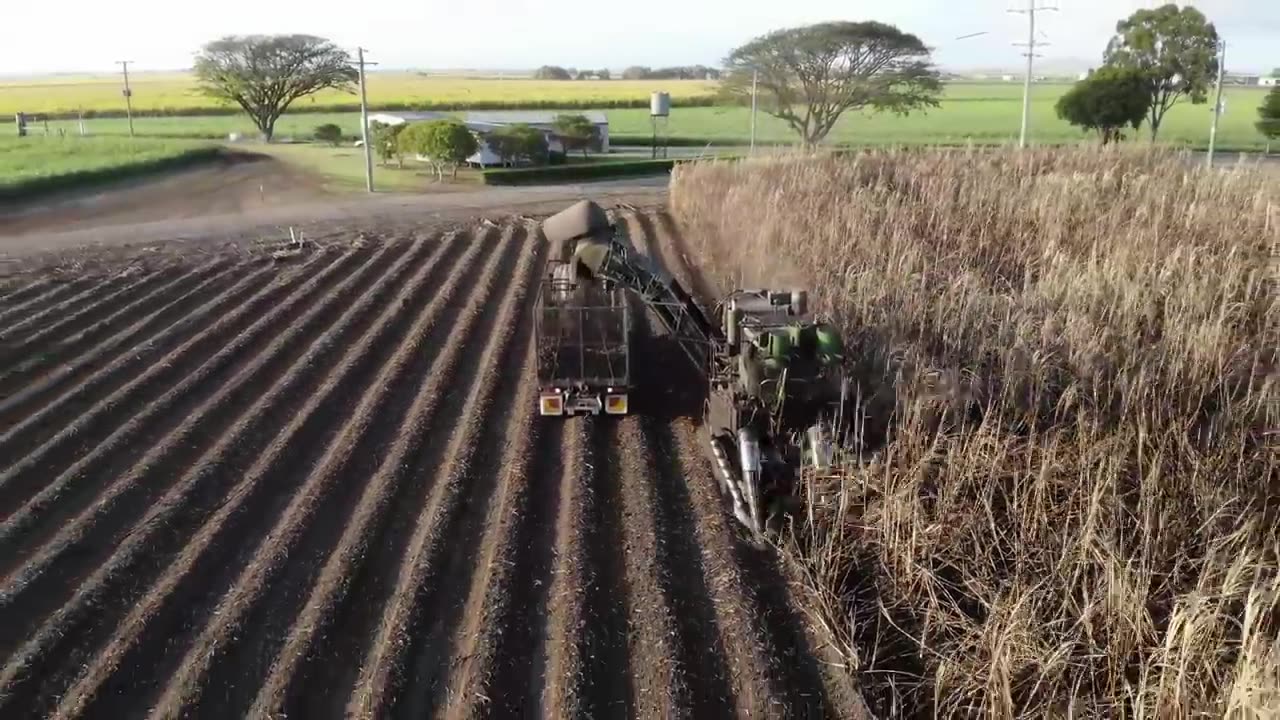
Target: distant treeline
[[551, 104], [635, 72]]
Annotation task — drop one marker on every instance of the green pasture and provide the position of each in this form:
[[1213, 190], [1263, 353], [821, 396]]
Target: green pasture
[[981, 113], [46, 163]]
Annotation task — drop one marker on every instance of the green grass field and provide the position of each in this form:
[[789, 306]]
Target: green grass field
[[987, 113], [46, 162], [178, 92]]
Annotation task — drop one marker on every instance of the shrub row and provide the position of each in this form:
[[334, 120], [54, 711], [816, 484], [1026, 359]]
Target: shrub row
[[31, 187], [549, 104], [584, 171]]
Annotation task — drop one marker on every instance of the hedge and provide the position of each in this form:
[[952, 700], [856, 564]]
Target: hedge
[[584, 171], [32, 187]]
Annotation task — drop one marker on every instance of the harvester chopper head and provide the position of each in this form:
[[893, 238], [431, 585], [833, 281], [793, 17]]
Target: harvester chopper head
[[775, 383]]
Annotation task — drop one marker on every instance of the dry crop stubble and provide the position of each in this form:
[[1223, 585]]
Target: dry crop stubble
[[1062, 492]]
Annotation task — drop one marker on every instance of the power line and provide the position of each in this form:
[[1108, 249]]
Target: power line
[[1031, 43], [128, 94]]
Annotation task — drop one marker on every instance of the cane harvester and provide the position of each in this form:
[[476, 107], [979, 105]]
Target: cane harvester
[[774, 373]]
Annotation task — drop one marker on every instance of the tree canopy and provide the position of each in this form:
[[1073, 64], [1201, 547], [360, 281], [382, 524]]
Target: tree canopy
[[444, 143], [264, 74], [1106, 101], [577, 132], [518, 143], [329, 133], [1269, 114], [386, 141], [1174, 48], [809, 76], [552, 72]]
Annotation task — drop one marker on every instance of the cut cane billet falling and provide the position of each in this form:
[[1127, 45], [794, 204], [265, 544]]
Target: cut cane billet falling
[[774, 373]]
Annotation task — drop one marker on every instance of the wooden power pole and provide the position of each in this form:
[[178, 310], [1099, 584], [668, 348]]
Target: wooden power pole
[[128, 94]]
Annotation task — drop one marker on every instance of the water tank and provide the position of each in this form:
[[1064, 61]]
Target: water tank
[[660, 104]]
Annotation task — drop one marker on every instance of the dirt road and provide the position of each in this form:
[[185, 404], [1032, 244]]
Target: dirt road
[[247, 198], [317, 486]]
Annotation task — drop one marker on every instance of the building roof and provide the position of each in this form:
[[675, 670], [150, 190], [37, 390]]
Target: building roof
[[532, 117], [395, 118]]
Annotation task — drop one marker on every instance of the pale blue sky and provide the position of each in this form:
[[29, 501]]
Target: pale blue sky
[[88, 35]]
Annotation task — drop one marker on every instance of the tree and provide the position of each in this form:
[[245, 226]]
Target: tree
[[811, 75], [1106, 102], [264, 74], [583, 75], [1269, 115], [552, 72], [516, 143], [1175, 50], [636, 72], [386, 141], [444, 143], [329, 133], [577, 132], [602, 74]]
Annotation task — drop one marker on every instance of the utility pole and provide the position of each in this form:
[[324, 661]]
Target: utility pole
[[364, 124], [128, 94], [1217, 103], [755, 79], [1031, 44]]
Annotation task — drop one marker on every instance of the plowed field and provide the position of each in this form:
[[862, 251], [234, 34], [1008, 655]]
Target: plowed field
[[236, 486]]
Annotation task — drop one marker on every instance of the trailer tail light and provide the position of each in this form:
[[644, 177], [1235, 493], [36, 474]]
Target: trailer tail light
[[615, 404], [551, 404]]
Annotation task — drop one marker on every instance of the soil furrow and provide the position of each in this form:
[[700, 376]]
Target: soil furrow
[[586, 646], [507, 521], [79, 624], [269, 591], [659, 681], [519, 596], [406, 654], [145, 371], [64, 293], [62, 362], [209, 516], [29, 334], [20, 293], [31, 415], [204, 402]]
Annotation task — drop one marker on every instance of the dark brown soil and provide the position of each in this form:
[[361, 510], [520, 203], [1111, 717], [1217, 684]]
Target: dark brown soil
[[317, 487]]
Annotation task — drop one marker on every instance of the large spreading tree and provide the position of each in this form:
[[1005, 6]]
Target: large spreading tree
[[809, 76], [1175, 49], [265, 74]]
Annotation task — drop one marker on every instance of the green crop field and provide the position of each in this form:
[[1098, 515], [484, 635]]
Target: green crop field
[[969, 113], [43, 163], [177, 93]]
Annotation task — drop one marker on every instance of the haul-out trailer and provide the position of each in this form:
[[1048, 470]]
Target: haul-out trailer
[[775, 386]]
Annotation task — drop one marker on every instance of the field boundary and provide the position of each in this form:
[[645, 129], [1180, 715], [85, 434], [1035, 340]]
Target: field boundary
[[78, 179], [585, 171]]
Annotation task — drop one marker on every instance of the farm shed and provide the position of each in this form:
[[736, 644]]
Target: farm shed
[[483, 123]]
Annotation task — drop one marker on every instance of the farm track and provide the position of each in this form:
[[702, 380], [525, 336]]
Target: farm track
[[321, 489]]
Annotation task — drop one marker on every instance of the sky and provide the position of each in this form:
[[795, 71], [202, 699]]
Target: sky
[[90, 35]]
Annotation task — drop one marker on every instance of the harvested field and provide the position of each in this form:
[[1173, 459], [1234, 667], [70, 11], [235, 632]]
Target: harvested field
[[316, 486]]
